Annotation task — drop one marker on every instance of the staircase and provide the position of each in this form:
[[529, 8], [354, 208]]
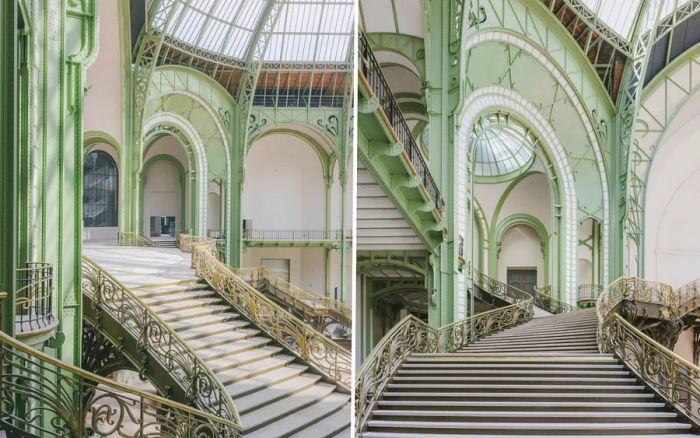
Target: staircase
[[166, 243], [542, 378], [274, 395]]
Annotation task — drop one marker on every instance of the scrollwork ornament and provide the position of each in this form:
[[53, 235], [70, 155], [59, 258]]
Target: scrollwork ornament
[[331, 125]]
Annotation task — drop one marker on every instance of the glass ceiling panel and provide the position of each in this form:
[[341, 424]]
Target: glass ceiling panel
[[619, 15], [307, 31], [502, 145]]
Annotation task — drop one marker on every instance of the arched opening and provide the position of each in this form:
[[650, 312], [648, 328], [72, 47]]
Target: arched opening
[[589, 263], [100, 195], [521, 258]]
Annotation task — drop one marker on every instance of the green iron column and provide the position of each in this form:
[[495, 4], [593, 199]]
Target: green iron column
[[328, 180]]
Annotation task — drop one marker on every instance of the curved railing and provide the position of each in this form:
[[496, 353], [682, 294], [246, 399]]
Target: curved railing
[[35, 386], [322, 354], [637, 289], [34, 296], [307, 301], [548, 302], [186, 241], [159, 340], [687, 298], [412, 335], [135, 239], [671, 376], [499, 289], [589, 292]]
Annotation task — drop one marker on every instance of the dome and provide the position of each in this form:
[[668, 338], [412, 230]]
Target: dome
[[503, 146], [306, 31]]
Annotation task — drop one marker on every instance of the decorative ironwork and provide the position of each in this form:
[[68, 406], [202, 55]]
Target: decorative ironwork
[[309, 302], [34, 298], [324, 355], [157, 339], [411, 335], [99, 355], [373, 75], [637, 290], [297, 235], [669, 375], [588, 293], [35, 386], [135, 239]]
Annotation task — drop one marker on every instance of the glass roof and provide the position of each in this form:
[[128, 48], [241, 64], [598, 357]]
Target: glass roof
[[619, 15], [307, 31], [503, 145]]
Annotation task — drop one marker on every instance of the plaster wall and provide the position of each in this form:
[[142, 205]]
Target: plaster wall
[[306, 265], [672, 252], [162, 194], [521, 250], [104, 81], [284, 186]]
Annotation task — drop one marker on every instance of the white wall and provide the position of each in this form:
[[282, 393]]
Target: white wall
[[103, 101], [306, 265], [162, 194], [521, 250], [284, 187], [672, 239]]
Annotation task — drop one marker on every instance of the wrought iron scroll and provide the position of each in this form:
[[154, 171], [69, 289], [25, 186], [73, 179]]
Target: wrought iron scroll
[[322, 354], [161, 342], [35, 386], [134, 239], [34, 298]]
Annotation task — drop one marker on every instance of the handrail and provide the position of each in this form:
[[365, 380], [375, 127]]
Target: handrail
[[308, 301], [163, 343], [85, 404], [687, 298], [499, 289], [128, 238], [637, 289], [325, 356], [34, 296], [589, 292], [669, 375], [548, 302], [411, 335], [371, 72]]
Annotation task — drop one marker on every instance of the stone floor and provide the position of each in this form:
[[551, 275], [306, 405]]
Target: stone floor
[[139, 266]]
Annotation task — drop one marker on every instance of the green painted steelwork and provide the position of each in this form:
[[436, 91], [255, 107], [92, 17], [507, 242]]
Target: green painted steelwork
[[506, 224]]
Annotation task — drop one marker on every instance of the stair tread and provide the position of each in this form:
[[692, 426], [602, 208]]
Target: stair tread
[[233, 347], [229, 336], [332, 425], [532, 414], [188, 304], [404, 434], [271, 377], [281, 408], [275, 392], [533, 404], [514, 395], [305, 418], [203, 323], [510, 378], [501, 425], [238, 358], [231, 375]]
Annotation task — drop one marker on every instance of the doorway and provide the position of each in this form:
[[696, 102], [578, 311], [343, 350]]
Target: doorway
[[163, 226], [523, 279]]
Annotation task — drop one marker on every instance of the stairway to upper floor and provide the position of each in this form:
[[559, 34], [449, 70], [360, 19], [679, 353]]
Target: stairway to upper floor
[[275, 392], [545, 377]]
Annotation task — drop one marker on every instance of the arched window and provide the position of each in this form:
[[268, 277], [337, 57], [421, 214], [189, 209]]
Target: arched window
[[100, 190]]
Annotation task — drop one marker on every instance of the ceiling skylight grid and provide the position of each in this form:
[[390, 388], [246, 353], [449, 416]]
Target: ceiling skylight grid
[[307, 31], [618, 15], [502, 145]]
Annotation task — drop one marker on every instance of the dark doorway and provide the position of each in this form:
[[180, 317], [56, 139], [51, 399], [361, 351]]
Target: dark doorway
[[163, 226], [523, 279]]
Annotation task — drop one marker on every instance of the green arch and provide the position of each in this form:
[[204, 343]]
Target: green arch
[[143, 176], [319, 149], [91, 138]]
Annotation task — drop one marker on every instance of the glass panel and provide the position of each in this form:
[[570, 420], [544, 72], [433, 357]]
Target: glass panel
[[100, 190], [503, 145]]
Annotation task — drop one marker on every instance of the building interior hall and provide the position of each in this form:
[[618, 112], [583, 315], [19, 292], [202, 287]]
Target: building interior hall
[[527, 243]]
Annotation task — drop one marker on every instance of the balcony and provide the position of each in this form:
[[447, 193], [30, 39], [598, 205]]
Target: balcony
[[34, 299], [588, 294], [256, 237]]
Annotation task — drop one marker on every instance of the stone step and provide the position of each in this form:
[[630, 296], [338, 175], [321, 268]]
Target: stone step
[[577, 434], [187, 314], [189, 304], [528, 416], [505, 406], [530, 373], [269, 378], [634, 397], [535, 340], [543, 366], [220, 338], [176, 297], [277, 391], [590, 349], [211, 325], [531, 387], [479, 428], [237, 359], [267, 414], [215, 352], [231, 376], [498, 380], [333, 425]]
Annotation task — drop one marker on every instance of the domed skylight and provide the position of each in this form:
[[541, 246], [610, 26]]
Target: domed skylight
[[502, 145]]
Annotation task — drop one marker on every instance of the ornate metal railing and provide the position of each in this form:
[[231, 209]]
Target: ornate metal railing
[[372, 72], [589, 292], [309, 302], [499, 289], [135, 239], [298, 235], [34, 386], [671, 376], [216, 234], [637, 289], [544, 299], [412, 335], [34, 298], [156, 338], [687, 298], [322, 354], [186, 242]]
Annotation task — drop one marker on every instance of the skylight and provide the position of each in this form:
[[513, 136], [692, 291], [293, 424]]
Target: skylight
[[307, 31], [502, 145], [616, 14]]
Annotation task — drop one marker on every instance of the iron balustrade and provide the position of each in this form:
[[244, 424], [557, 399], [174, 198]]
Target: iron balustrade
[[372, 71], [217, 234], [34, 297], [589, 292], [298, 235]]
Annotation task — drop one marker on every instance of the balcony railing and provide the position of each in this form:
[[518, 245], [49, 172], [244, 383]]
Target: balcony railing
[[372, 72], [34, 297], [297, 235], [217, 234], [589, 292]]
